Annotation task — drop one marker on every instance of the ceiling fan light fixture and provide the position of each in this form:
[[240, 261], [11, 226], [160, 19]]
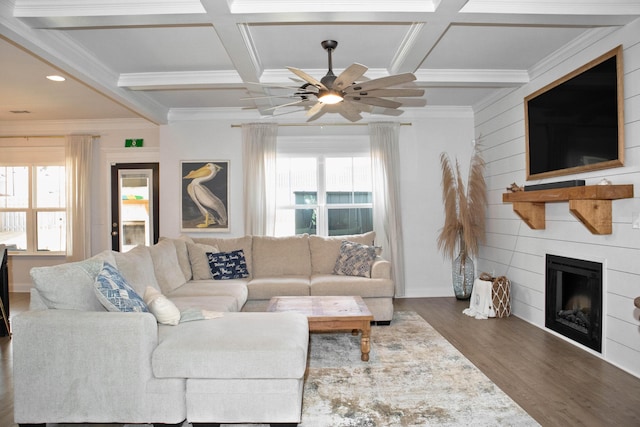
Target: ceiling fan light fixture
[[330, 97]]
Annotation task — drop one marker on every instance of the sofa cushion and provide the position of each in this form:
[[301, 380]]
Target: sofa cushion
[[331, 284], [355, 259], [229, 244], [115, 293], [325, 250], [280, 256], [166, 266], [69, 286], [220, 303], [136, 266], [183, 255], [199, 261], [161, 307], [267, 287], [227, 265], [210, 290], [237, 345]]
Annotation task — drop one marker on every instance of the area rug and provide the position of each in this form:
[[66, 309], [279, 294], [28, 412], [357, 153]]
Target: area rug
[[414, 378]]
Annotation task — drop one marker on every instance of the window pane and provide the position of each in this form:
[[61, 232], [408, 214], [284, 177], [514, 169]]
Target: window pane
[[306, 221], [295, 221], [350, 221], [13, 230], [295, 174], [50, 187], [52, 231], [14, 187], [348, 180]]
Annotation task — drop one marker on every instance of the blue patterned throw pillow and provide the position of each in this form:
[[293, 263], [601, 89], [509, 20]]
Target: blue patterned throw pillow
[[228, 265], [355, 259], [115, 293]]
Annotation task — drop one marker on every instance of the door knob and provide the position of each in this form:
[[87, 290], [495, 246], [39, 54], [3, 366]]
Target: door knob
[[114, 233]]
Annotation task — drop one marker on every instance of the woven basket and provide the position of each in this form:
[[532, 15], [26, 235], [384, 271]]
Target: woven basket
[[500, 294]]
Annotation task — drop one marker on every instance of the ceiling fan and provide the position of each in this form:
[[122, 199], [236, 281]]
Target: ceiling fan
[[343, 94]]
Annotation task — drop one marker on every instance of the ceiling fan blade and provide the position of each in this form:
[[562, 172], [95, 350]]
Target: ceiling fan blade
[[387, 111], [387, 93], [349, 112], [352, 73], [378, 102], [382, 82], [306, 77], [273, 86], [288, 104], [295, 95], [317, 111]]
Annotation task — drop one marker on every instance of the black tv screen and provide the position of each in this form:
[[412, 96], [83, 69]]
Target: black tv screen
[[575, 124]]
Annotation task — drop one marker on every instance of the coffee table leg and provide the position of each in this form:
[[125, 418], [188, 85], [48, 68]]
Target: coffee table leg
[[365, 345]]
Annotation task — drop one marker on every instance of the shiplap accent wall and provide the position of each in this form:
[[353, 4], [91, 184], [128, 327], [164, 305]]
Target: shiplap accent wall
[[514, 250]]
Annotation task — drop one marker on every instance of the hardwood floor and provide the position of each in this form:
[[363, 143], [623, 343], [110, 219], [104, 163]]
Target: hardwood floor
[[557, 383], [554, 381]]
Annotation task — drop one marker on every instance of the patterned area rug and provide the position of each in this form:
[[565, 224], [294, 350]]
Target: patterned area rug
[[414, 378]]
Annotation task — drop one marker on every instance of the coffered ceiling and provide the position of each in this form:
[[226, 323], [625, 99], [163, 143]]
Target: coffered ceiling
[[159, 59]]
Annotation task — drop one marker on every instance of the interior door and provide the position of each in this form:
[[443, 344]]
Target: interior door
[[135, 207]]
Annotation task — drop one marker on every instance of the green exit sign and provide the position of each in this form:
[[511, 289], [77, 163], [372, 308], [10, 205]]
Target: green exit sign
[[133, 142]]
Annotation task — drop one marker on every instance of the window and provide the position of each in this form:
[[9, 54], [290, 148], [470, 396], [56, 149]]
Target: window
[[32, 208], [324, 195]]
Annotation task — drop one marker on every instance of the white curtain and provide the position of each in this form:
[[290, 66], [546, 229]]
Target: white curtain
[[387, 222], [79, 158], [259, 162]]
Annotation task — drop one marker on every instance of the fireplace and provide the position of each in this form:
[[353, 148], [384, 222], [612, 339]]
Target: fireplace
[[574, 299]]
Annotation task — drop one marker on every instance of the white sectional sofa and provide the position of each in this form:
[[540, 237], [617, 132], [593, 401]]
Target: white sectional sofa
[[207, 352]]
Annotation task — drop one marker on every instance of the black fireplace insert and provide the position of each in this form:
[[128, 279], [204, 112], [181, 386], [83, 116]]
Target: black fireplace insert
[[574, 299]]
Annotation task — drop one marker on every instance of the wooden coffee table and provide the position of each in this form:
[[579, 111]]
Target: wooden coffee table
[[331, 313]]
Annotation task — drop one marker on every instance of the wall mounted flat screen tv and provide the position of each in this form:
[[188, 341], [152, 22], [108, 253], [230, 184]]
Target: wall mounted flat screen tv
[[576, 123]]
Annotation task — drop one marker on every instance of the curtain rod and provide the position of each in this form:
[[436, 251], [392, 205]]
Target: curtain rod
[[322, 124], [41, 136]]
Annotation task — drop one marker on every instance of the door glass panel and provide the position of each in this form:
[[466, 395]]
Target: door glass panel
[[136, 208]]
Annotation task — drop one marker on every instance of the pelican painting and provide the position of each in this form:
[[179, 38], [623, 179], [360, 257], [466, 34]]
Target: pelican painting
[[211, 207]]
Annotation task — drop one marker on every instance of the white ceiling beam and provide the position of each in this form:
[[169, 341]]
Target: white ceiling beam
[[231, 79], [338, 6], [181, 80], [554, 7], [475, 78]]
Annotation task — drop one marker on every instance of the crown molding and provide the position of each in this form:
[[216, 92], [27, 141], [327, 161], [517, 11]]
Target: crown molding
[[65, 127]]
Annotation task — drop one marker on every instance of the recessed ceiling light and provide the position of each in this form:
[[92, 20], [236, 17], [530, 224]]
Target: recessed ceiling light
[[56, 78]]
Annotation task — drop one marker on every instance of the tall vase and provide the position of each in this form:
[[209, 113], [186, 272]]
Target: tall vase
[[463, 275]]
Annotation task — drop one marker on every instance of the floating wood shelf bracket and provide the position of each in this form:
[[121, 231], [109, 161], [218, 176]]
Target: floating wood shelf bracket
[[590, 204]]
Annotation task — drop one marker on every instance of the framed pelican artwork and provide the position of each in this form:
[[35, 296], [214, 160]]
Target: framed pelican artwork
[[205, 196]]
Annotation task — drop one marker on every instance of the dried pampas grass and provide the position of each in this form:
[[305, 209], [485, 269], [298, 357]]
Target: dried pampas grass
[[464, 208]]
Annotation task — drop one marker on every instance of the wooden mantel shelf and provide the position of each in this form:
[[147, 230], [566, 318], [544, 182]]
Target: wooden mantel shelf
[[591, 204]]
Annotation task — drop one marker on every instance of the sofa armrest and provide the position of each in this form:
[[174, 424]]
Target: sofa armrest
[[72, 365], [381, 268]]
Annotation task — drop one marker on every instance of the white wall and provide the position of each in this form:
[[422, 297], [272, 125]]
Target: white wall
[[514, 250], [431, 132], [109, 147]]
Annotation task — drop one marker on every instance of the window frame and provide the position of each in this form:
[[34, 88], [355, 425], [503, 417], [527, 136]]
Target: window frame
[[46, 156], [321, 206]]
